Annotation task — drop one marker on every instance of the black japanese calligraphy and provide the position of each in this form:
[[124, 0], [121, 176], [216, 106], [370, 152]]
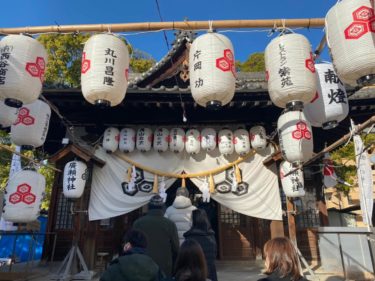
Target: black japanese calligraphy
[[110, 59], [337, 96]]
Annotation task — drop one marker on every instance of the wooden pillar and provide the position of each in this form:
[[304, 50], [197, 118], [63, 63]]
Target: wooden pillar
[[322, 207], [291, 220], [277, 229]]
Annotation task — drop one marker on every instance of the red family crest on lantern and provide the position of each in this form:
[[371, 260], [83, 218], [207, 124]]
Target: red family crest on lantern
[[258, 137], [105, 64], [111, 139], [24, 194], [75, 177], [8, 115], [241, 141], [193, 141], [31, 126], [208, 141], [161, 139], [144, 139], [23, 63], [212, 70], [127, 140], [291, 180], [290, 71], [226, 141], [350, 28]]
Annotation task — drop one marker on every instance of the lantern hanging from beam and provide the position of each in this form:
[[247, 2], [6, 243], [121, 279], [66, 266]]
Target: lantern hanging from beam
[[24, 195], [193, 141], [144, 139], [8, 115], [31, 126], [330, 104], [209, 140], [295, 137], [212, 70], [258, 137], [23, 62], [350, 31], [75, 177], [290, 71], [161, 139], [111, 139], [225, 139], [177, 140], [293, 183], [127, 140], [241, 141], [105, 69]]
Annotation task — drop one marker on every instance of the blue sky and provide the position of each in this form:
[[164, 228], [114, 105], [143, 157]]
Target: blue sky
[[18, 13]]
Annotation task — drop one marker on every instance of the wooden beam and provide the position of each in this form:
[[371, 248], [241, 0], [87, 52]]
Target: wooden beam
[[291, 220]]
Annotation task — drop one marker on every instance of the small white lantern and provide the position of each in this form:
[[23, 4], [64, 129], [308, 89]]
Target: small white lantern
[[241, 141], [329, 174], [350, 29], [330, 104], [24, 195], [161, 139], [295, 137], [258, 137], [209, 140], [105, 68], [293, 184], [127, 140], [23, 62], [111, 139], [290, 71], [212, 70], [225, 139], [144, 139], [31, 126], [75, 176], [177, 143], [8, 115], [193, 141]]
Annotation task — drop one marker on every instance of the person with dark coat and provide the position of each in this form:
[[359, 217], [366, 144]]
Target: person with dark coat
[[202, 233], [161, 233], [281, 262], [134, 264]]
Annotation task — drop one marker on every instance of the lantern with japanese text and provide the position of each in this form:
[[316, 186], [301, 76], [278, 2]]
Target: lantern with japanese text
[[127, 140], [193, 141], [330, 104], [293, 183], [329, 175], [144, 139], [290, 71], [8, 115], [105, 68], [350, 31], [24, 195], [208, 136], [225, 140], [241, 141], [177, 140], [295, 137], [23, 62], [161, 139], [75, 177], [212, 70], [258, 137], [111, 139], [31, 126]]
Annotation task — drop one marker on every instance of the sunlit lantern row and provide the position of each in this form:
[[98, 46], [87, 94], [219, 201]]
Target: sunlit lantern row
[[178, 140]]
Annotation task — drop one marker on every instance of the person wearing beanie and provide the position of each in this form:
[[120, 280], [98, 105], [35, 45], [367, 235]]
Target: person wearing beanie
[[161, 235], [180, 212]]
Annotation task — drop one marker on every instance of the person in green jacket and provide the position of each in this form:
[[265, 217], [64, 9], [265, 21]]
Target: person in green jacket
[[161, 233], [134, 264]]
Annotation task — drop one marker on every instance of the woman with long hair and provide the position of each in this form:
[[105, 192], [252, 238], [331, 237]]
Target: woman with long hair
[[281, 261]]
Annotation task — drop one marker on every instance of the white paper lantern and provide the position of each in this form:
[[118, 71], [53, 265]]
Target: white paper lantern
[[31, 126], [241, 141], [226, 139], [161, 139], [23, 62], [209, 140], [295, 137], [105, 68], [350, 29], [177, 137], [193, 141], [293, 184], [111, 139], [144, 139], [212, 70], [330, 104], [329, 174], [8, 115], [290, 70], [127, 140], [24, 194], [75, 176], [258, 137]]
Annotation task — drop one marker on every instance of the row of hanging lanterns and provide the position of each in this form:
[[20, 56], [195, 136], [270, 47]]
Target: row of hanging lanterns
[[193, 140]]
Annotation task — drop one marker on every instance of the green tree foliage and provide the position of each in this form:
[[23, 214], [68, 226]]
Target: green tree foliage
[[254, 63], [140, 61]]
